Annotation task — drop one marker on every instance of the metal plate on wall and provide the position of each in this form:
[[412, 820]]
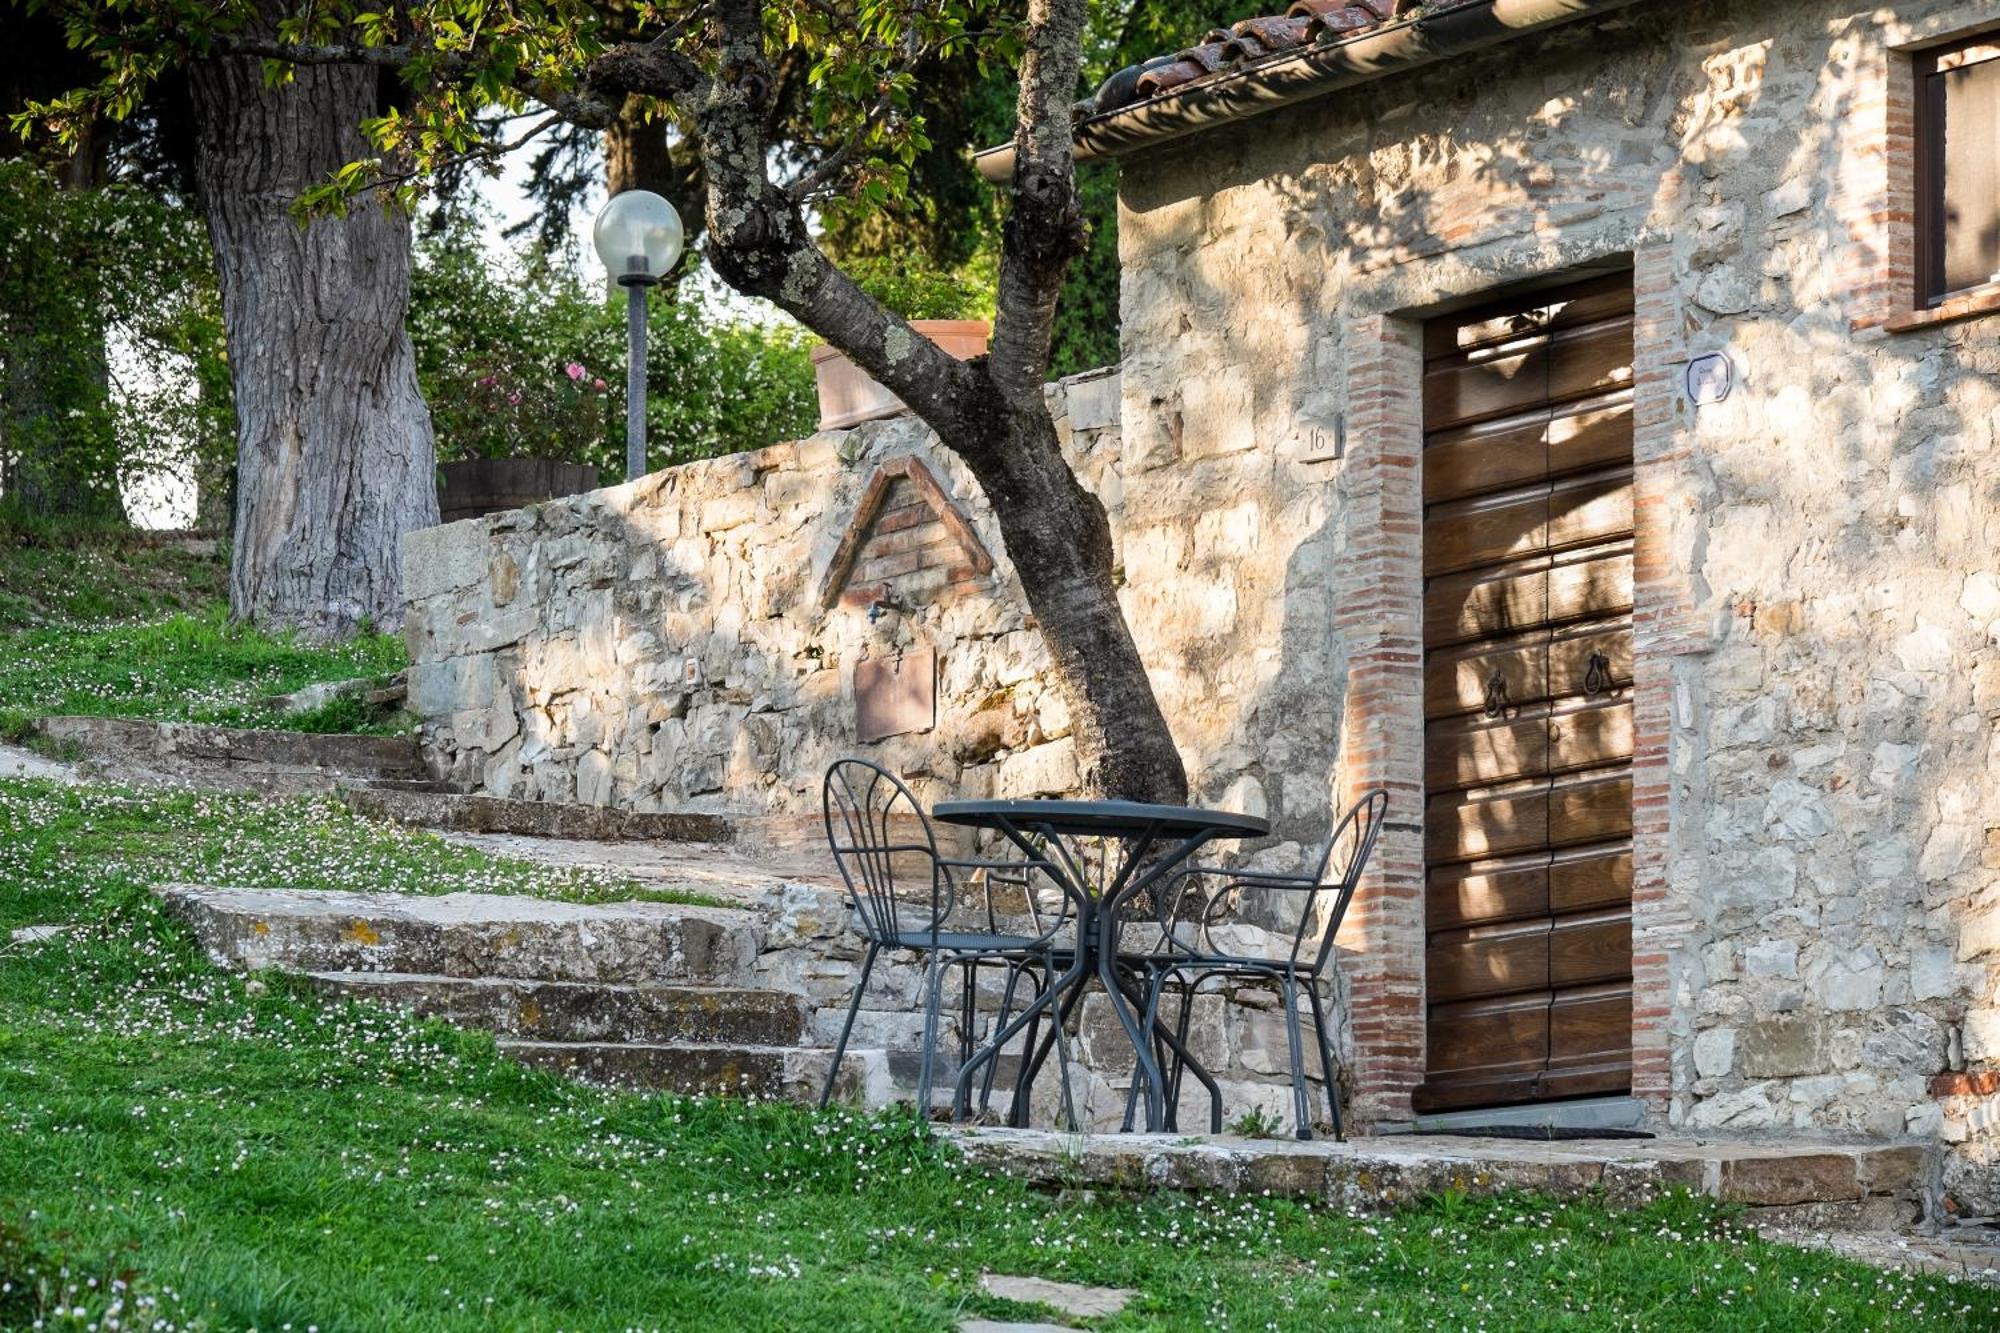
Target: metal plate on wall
[[895, 695]]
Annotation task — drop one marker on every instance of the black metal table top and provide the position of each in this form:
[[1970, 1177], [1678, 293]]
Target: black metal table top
[[1103, 818]]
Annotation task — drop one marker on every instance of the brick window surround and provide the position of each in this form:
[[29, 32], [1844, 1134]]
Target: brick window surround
[[1874, 197], [1379, 617]]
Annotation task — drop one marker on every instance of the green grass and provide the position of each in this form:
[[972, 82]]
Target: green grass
[[237, 1155], [185, 667], [161, 836], [97, 619], [64, 574]]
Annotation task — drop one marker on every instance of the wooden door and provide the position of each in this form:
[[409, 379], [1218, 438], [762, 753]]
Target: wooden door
[[1527, 699]]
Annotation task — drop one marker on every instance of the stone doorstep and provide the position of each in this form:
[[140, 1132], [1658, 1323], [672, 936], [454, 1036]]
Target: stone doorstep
[[463, 813], [791, 1072], [1877, 1184], [583, 1011], [469, 935]]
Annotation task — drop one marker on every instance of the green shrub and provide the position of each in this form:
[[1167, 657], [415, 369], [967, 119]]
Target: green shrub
[[527, 360], [79, 270], [915, 292]]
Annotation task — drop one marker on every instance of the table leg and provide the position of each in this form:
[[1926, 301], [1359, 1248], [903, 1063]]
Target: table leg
[[1123, 889], [1031, 1066]]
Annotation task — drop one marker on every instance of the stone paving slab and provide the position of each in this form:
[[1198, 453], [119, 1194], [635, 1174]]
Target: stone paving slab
[[1879, 1183], [17, 762], [1071, 1298], [1971, 1253]]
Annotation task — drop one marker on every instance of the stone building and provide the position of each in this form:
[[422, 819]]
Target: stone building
[[1580, 417]]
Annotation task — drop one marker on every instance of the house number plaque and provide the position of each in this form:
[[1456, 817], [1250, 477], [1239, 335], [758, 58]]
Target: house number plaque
[[893, 695]]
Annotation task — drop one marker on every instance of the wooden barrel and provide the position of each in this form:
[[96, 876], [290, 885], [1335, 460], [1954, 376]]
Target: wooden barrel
[[476, 487]]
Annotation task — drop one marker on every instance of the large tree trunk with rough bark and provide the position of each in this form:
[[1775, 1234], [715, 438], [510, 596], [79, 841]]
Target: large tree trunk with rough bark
[[335, 460]]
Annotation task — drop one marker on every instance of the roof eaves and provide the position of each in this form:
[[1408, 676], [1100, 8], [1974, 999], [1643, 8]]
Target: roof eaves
[[1266, 82]]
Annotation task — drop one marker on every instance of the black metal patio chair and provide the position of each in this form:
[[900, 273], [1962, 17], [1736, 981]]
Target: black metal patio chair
[[908, 895], [1191, 953]]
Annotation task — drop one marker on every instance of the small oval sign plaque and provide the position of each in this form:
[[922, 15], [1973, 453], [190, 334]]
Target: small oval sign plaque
[[1709, 378]]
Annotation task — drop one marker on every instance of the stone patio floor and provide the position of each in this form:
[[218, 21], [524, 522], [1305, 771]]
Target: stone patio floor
[[727, 872], [1862, 1199]]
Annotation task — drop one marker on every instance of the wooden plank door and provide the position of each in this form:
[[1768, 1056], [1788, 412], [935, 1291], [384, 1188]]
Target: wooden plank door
[[1527, 700]]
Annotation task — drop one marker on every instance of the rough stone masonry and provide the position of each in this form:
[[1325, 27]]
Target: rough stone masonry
[[1816, 904]]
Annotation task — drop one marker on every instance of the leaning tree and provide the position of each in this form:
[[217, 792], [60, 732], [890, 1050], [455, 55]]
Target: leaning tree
[[711, 66]]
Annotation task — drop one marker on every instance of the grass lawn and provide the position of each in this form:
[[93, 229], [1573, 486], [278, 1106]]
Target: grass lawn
[[198, 1150], [97, 621], [163, 836], [66, 574], [185, 667]]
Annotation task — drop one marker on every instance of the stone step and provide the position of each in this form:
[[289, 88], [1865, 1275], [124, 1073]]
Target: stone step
[[234, 758], [571, 1011], [461, 813], [790, 1072], [470, 935], [1878, 1185]]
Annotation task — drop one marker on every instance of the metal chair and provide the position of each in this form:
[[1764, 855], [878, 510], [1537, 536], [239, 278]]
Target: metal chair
[[1189, 954], [905, 895]]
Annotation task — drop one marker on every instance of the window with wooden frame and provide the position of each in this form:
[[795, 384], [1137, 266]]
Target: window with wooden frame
[[1958, 168]]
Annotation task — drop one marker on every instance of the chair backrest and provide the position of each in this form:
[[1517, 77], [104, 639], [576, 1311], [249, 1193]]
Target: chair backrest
[[887, 854], [1340, 867]]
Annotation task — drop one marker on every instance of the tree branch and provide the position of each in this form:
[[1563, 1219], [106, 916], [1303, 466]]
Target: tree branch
[[759, 241], [1044, 227]]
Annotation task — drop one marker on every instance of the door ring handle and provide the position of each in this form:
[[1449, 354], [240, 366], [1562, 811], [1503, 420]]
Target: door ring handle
[[1597, 676]]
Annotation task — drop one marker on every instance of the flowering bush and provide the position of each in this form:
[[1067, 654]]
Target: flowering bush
[[528, 360]]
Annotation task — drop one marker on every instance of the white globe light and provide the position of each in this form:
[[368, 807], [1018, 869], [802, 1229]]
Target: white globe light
[[638, 236]]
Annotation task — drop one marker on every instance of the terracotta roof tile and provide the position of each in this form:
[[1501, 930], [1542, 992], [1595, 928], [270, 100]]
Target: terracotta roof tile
[[1306, 22]]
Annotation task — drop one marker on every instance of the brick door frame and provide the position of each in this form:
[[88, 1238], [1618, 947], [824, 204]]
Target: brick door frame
[[1379, 617]]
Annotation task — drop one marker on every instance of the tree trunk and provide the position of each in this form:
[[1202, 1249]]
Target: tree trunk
[[990, 412], [335, 460], [1059, 539], [635, 153]]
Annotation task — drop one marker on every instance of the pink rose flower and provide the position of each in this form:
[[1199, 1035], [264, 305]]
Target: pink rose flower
[[514, 398], [574, 370], [598, 385]]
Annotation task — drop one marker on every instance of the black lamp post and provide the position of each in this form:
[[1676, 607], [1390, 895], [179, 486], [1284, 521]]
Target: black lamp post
[[638, 236]]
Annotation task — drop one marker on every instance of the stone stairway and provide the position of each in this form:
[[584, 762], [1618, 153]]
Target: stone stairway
[[632, 994], [144, 752]]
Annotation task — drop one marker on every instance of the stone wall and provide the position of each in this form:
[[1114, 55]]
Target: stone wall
[[1817, 913], [690, 641]]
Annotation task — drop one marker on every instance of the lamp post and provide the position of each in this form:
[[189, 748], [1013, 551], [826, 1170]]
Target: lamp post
[[638, 236]]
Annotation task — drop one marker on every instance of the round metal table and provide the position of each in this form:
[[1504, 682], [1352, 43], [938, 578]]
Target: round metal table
[[1151, 842]]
